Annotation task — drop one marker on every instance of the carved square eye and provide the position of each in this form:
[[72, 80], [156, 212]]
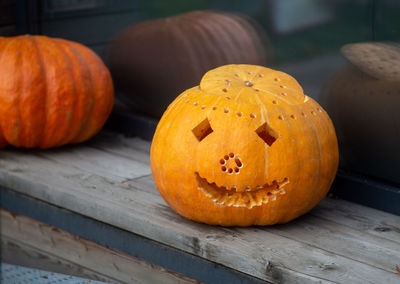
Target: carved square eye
[[266, 133], [202, 130]]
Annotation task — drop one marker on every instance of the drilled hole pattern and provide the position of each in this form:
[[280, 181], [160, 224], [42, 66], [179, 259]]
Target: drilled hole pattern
[[229, 168], [250, 84]]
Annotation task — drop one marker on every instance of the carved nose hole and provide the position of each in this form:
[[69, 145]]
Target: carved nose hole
[[267, 133], [231, 163]]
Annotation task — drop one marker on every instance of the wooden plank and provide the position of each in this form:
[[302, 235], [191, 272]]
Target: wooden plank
[[17, 253], [342, 240], [96, 162], [373, 249], [350, 215], [68, 253], [116, 144], [362, 218], [144, 213], [122, 240], [290, 259]]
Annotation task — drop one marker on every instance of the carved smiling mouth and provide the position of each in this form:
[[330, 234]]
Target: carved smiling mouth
[[241, 197]]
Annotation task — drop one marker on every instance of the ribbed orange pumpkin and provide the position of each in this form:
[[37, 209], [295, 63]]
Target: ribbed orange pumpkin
[[246, 147], [52, 92]]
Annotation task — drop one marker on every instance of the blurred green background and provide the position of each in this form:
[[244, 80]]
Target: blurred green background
[[298, 29]]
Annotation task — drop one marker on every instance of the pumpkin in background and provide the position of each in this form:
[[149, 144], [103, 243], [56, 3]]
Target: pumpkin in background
[[363, 99], [245, 147], [52, 92], [153, 61]]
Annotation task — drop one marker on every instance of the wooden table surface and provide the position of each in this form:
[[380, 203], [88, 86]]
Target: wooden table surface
[[109, 180]]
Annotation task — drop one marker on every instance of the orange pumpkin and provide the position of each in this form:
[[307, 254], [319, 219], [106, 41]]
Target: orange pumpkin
[[245, 147], [52, 92]]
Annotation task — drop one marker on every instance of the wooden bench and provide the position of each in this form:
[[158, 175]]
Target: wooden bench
[[93, 209]]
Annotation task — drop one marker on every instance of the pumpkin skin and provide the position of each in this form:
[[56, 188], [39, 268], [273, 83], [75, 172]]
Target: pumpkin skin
[[52, 92], [280, 144], [153, 61]]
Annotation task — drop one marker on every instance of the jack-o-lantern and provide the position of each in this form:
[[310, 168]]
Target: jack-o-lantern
[[245, 147]]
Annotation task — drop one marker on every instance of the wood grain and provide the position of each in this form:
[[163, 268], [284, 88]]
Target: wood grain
[[34, 244], [337, 242]]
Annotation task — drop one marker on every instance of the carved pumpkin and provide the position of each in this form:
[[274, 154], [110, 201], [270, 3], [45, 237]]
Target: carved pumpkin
[[52, 92], [153, 61], [363, 99], [246, 147]]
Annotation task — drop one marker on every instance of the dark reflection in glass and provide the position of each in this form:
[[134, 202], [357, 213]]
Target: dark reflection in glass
[[154, 61], [363, 100]]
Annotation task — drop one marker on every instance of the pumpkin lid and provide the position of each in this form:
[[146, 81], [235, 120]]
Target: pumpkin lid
[[250, 82], [378, 59]]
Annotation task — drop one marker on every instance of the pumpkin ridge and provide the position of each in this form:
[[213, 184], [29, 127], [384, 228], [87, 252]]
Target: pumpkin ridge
[[71, 72], [185, 40], [4, 48], [310, 201], [18, 99], [198, 50], [262, 120], [213, 30], [77, 77], [44, 74], [79, 133]]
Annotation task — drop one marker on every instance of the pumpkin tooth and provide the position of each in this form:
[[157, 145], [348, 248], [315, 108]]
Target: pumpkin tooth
[[265, 198], [245, 197], [284, 182], [259, 197], [232, 200], [253, 199]]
